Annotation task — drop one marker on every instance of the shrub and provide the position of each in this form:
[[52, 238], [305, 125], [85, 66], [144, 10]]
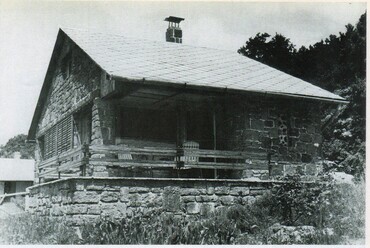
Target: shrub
[[322, 204]]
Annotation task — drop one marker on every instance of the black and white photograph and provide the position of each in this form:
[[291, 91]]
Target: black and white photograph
[[182, 123]]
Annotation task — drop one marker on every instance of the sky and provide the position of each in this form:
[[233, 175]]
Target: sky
[[28, 31]]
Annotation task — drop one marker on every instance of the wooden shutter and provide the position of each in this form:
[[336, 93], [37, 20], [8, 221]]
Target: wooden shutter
[[64, 132], [58, 138], [50, 142]]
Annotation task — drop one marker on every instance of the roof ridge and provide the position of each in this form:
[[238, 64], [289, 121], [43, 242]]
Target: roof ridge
[[145, 39]]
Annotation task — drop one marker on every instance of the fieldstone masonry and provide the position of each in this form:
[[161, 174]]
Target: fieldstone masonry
[[82, 200]]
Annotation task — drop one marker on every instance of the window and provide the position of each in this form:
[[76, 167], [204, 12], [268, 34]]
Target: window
[[81, 128]]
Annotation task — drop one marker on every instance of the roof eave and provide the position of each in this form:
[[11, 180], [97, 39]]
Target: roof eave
[[225, 89]]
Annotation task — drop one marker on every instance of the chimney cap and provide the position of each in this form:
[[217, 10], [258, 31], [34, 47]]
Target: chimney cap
[[174, 19]]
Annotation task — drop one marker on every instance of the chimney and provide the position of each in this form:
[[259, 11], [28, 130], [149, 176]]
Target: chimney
[[174, 32]]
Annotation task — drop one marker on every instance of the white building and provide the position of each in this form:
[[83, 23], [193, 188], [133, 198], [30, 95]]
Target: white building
[[16, 174]]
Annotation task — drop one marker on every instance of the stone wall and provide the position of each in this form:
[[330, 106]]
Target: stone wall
[[286, 130], [75, 79], [69, 85], [82, 200]]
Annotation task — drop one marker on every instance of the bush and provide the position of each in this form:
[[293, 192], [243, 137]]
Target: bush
[[339, 208]]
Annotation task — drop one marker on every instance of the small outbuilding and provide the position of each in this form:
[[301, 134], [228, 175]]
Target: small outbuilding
[[16, 175]]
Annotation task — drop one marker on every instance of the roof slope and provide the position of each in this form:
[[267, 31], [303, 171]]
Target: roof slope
[[16, 169], [136, 59]]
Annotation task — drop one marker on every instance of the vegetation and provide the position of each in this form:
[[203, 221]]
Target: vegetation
[[18, 144], [337, 64], [335, 215]]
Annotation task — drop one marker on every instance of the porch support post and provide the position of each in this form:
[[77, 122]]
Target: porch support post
[[214, 137], [181, 133], [181, 125]]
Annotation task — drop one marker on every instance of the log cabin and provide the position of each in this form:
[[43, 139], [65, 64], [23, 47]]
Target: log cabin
[[112, 106]]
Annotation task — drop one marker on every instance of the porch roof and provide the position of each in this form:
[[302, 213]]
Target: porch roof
[[154, 61]]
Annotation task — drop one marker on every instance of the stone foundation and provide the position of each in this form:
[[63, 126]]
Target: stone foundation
[[82, 200]]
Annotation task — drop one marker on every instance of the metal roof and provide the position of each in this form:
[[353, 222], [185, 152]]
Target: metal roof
[[16, 169], [139, 59]]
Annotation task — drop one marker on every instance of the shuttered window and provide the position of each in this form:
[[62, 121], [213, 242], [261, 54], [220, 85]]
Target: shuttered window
[[58, 139]]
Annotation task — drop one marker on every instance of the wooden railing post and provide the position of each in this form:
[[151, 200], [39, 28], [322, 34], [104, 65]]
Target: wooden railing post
[[85, 159]]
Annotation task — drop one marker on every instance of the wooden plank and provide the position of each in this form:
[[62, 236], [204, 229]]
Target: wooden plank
[[224, 154], [134, 163], [142, 151], [63, 156]]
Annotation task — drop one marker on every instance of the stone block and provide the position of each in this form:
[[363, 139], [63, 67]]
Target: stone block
[[306, 158], [94, 209], [109, 196], [257, 124], [273, 133], [239, 191], [95, 187], [139, 190], [56, 211], [222, 190], [77, 209], [124, 194], [193, 208], [227, 200], [189, 191], [305, 137], [80, 186], [171, 199], [206, 198], [188, 198], [210, 190], [85, 197], [251, 135], [293, 132], [269, 123]]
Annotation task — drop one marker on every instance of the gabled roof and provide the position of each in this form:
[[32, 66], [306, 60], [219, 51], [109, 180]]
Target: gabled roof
[[16, 169], [178, 64], [136, 59]]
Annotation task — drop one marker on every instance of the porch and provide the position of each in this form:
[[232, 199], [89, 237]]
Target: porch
[[179, 132]]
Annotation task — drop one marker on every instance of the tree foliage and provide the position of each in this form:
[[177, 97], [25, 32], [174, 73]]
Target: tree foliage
[[18, 144], [337, 64]]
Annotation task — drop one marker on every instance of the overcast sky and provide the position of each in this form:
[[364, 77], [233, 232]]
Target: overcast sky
[[28, 33]]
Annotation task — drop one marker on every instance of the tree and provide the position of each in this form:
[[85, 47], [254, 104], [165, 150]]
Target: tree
[[278, 52], [18, 144]]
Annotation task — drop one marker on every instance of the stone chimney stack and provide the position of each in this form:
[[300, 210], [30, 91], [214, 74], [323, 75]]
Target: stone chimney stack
[[174, 32]]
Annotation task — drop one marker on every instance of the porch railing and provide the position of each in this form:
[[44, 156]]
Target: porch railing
[[73, 162]]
